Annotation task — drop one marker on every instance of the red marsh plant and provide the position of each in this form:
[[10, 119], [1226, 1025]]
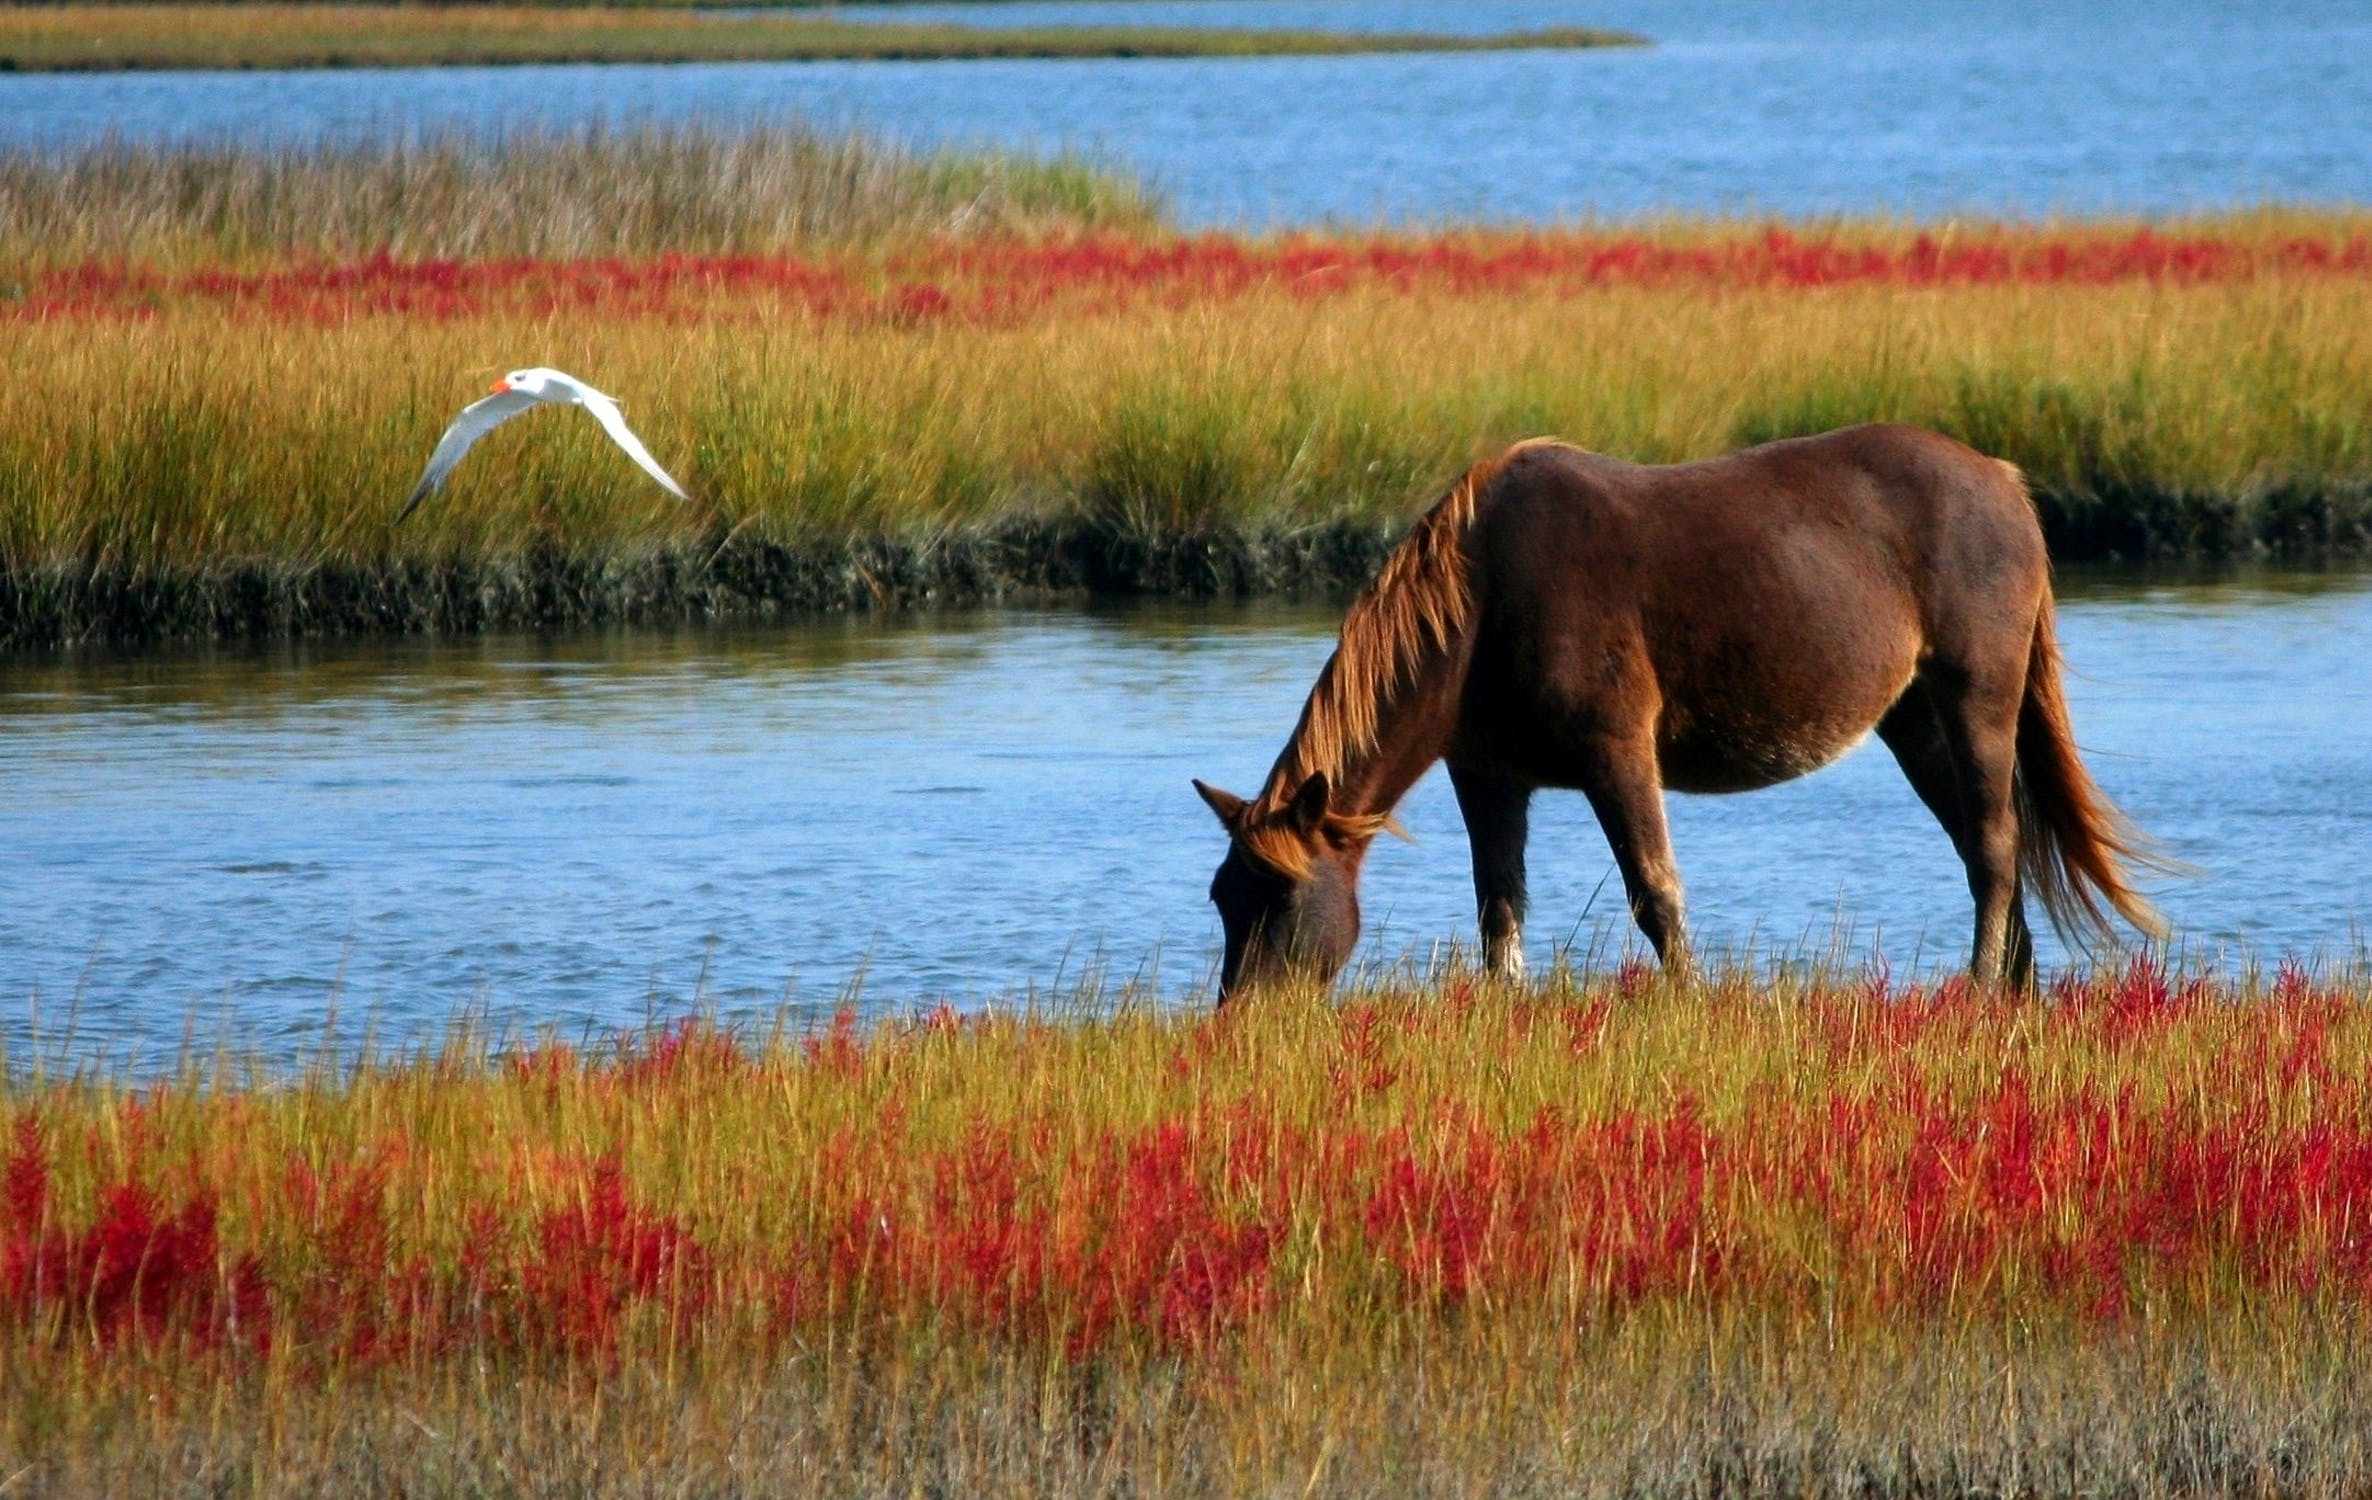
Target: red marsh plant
[[2137, 1144], [1756, 1235], [1001, 281]]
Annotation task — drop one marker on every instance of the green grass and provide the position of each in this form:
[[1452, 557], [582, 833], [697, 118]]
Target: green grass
[[108, 37]]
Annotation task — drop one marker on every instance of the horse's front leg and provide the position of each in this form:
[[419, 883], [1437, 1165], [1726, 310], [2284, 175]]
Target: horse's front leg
[[1626, 790], [1497, 814]]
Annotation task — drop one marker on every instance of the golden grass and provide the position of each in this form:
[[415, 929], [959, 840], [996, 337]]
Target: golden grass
[[78, 37], [189, 437], [1606, 1236]]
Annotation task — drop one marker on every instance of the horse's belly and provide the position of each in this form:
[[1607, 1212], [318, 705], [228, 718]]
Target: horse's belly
[[1748, 709], [1736, 733], [1746, 758]]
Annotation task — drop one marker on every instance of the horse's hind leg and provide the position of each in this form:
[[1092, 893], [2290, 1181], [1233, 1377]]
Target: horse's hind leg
[[1626, 790], [1961, 757], [1497, 813]]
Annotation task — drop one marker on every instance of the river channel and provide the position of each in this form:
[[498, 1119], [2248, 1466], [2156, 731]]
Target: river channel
[[586, 831]]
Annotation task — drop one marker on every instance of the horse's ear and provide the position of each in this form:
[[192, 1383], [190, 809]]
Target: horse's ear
[[1308, 812], [1227, 805]]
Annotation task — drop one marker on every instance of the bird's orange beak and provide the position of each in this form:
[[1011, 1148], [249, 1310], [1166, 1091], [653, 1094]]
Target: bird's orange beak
[[498, 388]]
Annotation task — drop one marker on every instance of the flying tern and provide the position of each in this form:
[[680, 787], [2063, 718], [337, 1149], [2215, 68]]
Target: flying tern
[[515, 393]]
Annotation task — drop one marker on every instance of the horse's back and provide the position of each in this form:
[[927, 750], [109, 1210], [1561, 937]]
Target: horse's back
[[1764, 607], [1918, 493], [1863, 511]]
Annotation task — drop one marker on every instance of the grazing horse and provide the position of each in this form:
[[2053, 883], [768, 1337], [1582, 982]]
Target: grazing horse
[[1564, 619]]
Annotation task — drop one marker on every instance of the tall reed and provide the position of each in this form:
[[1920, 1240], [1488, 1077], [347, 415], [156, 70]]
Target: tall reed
[[584, 192], [2150, 417]]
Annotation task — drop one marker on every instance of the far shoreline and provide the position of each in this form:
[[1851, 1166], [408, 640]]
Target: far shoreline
[[104, 38]]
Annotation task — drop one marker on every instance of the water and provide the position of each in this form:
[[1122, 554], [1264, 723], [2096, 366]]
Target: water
[[1796, 106], [587, 830]]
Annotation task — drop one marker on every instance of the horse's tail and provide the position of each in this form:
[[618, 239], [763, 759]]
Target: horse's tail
[[2076, 848]]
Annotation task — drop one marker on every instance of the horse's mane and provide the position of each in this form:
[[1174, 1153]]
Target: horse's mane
[[1415, 604]]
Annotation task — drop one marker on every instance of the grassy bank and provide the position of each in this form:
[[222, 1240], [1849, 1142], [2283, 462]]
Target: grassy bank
[[1599, 1237], [939, 378], [107, 37], [226, 455]]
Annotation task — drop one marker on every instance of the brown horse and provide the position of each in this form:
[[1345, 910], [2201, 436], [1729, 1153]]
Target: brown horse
[[1565, 619]]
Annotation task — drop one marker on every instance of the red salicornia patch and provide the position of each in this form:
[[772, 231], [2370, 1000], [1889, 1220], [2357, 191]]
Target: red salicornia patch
[[2119, 1230], [2134, 1141], [1007, 281]]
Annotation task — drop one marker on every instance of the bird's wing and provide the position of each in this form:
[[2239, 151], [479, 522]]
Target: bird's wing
[[476, 420], [613, 421]]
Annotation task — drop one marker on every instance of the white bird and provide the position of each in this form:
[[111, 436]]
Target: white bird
[[515, 393]]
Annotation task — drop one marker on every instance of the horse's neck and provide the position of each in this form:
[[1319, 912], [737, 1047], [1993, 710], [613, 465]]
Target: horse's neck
[[1412, 736], [1371, 774]]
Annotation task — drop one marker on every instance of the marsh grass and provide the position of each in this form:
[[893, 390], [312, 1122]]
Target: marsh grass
[[1775, 1233], [108, 37], [894, 376], [571, 194], [240, 465]]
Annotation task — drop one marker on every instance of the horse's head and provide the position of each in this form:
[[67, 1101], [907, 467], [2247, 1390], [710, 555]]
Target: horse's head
[[1288, 891]]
